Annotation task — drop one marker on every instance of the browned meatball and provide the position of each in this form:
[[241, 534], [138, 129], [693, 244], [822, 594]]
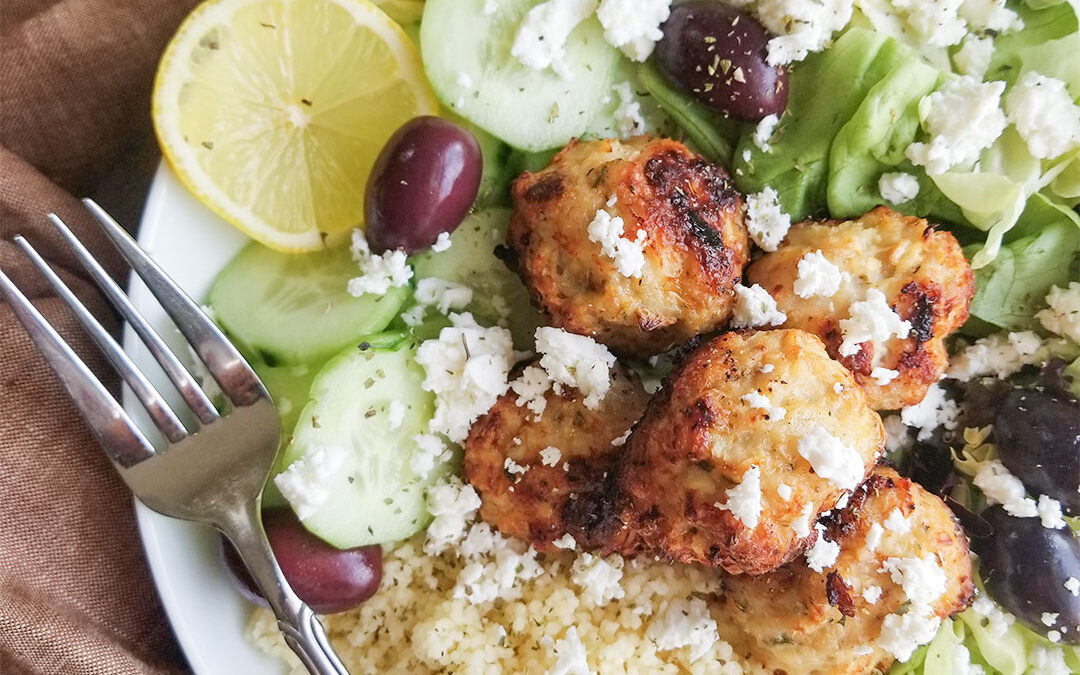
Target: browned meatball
[[559, 463], [831, 622], [771, 403], [922, 273], [693, 242]]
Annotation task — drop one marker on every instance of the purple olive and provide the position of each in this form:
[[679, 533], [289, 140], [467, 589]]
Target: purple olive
[[328, 579], [423, 184], [716, 54], [1025, 567]]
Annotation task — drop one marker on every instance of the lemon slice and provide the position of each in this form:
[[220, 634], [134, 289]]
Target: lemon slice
[[272, 112]]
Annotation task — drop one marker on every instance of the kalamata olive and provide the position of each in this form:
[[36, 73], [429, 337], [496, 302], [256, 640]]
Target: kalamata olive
[[328, 579], [717, 54], [1038, 437], [423, 184], [1025, 567]]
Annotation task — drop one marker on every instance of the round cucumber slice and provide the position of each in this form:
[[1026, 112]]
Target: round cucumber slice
[[292, 308], [373, 496], [498, 293], [467, 58]]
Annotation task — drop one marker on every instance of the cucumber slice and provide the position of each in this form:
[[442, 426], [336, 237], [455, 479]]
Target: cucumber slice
[[374, 496], [293, 308], [498, 293], [467, 58]]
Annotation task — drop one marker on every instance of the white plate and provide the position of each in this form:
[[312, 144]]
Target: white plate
[[206, 612]]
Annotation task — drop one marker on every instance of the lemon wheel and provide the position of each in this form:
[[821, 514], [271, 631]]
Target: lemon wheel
[[272, 112]]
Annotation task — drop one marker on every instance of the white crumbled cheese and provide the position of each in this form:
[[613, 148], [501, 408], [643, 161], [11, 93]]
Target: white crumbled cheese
[[765, 221], [550, 456], [897, 436], [785, 491], [762, 402], [628, 118], [395, 414], [897, 187], [633, 26], [442, 294], [937, 22], [1045, 661], [896, 522], [755, 307], [1072, 585], [570, 655], [873, 537], [628, 254], [540, 41], [378, 273], [990, 15], [442, 242], [744, 500], [935, 410], [823, 553], [598, 578], [430, 450], [1002, 356], [513, 468], [801, 26], [831, 458], [1062, 315], [466, 368], [494, 567], [973, 57], [962, 118], [838, 388], [870, 320], [997, 621], [767, 368], [620, 441], [414, 316], [872, 594], [1050, 513], [453, 506], [1049, 618], [764, 130], [684, 623], [961, 662], [1044, 114], [884, 376], [304, 482], [801, 524], [1001, 487], [575, 361], [531, 387], [902, 634], [817, 276], [565, 542]]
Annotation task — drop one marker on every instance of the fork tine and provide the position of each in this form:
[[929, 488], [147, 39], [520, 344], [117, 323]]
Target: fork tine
[[232, 372], [155, 405], [119, 437], [178, 374]]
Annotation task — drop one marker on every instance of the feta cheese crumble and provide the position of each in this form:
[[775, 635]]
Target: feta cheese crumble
[[628, 254], [823, 553], [801, 26], [1072, 585], [1000, 486], [762, 402], [531, 387], [997, 621], [1002, 356], [453, 505], [304, 482], [973, 57], [755, 307], [902, 634], [801, 524], [628, 118], [540, 41], [430, 450], [442, 294], [633, 26], [765, 221], [575, 361], [962, 119], [764, 130], [395, 414], [817, 276], [936, 23], [873, 536], [884, 376], [896, 522], [571, 657], [898, 187], [831, 458], [1062, 315], [684, 623], [598, 578], [378, 273], [744, 500], [442, 242], [785, 491], [1050, 513], [550, 456], [872, 594], [870, 320], [1044, 114], [923, 581]]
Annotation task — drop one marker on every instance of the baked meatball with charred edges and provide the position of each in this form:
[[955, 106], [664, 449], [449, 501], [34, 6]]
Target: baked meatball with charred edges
[[752, 436], [543, 494], [922, 273], [891, 534], [680, 211]]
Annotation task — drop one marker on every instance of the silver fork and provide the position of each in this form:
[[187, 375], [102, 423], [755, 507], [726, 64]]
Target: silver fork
[[212, 474]]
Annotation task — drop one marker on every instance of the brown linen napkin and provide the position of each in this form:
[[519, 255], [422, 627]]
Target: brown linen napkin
[[75, 79]]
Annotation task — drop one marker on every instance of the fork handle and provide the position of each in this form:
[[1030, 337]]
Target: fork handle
[[303, 631]]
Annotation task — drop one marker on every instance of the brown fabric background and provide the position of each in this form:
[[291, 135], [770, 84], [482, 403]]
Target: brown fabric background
[[75, 78]]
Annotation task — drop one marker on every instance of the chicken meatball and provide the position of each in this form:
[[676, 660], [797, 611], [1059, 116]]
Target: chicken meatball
[[541, 477], [921, 272], [903, 561], [637, 244], [752, 435]]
